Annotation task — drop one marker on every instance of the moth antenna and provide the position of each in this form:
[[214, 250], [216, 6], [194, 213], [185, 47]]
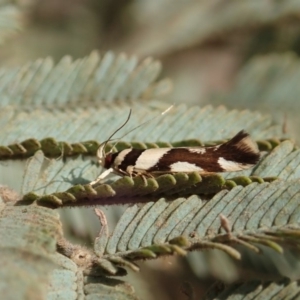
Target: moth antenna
[[114, 145], [167, 110], [109, 139], [101, 150], [118, 139]]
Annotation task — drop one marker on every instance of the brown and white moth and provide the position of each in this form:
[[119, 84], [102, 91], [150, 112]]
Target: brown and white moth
[[239, 153]]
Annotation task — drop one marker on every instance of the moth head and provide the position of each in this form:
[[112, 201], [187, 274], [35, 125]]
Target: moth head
[[105, 159]]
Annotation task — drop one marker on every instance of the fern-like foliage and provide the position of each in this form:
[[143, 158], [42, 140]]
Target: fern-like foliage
[[107, 78], [28, 245], [269, 69], [280, 77], [48, 147]]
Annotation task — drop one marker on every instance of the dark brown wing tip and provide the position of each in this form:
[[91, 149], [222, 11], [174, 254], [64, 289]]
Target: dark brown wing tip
[[248, 149]]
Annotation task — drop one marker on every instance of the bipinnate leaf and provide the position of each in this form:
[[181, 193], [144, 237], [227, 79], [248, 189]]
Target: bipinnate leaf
[[97, 77], [61, 175], [263, 223], [283, 162], [96, 123], [56, 149], [247, 217], [265, 218]]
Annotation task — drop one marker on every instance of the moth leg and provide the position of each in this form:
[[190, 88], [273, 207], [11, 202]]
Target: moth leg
[[148, 175], [101, 176], [144, 175], [144, 179], [131, 172]]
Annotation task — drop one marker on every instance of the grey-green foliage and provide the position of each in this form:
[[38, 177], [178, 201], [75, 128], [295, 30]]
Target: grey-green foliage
[[94, 122], [193, 22], [21, 119], [10, 21], [57, 177], [31, 267], [28, 243], [267, 217], [91, 79], [260, 216], [266, 83]]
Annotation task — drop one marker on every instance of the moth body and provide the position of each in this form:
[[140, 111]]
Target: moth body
[[239, 153]]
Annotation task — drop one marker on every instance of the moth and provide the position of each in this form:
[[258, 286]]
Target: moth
[[239, 153]]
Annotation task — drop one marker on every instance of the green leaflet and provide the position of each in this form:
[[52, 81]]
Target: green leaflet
[[32, 172], [107, 78], [86, 125], [135, 190], [55, 149], [282, 162], [201, 218]]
